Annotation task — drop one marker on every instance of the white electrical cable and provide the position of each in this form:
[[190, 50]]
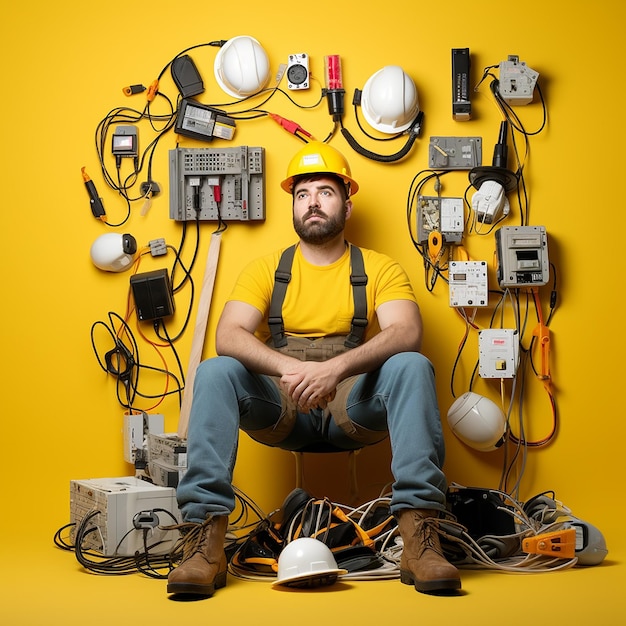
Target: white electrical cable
[[390, 543]]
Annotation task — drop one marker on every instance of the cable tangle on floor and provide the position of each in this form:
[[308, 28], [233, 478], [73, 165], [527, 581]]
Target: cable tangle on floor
[[481, 528]]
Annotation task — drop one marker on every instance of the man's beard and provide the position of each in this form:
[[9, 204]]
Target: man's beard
[[320, 231]]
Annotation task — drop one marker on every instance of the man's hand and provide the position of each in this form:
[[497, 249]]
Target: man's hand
[[310, 384], [313, 384]]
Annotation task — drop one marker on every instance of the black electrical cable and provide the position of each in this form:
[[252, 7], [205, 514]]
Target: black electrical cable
[[120, 361], [245, 517], [122, 115], [145, 562], [413, 133], [458, 358], [516, 125], [170, 342], [414, 192], [259, 112], [356, 101], [217, 43], [124, 364]]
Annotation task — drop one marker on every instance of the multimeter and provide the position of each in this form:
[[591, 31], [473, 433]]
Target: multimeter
[[298, 71]]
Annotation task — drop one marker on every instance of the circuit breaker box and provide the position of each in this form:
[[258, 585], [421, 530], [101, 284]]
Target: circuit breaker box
[[212, 184]]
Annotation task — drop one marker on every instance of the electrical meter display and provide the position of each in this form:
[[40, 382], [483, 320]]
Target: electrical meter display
[[522, 256]]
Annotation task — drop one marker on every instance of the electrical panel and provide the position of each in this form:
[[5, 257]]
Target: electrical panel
[[212, 184], [522, 253], [442, 215], [468, 284], [498, 353], [116, 503], [455, 153]]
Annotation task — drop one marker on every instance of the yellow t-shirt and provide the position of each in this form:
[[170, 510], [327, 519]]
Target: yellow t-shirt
[[319, 299]]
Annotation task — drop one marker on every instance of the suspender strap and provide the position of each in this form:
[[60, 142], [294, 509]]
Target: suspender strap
[[358, 278], [282, 277]]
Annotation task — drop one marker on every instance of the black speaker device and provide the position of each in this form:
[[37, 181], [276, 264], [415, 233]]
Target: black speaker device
[[152, 292]]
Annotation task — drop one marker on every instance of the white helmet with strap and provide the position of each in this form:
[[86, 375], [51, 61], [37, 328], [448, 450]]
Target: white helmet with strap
[[389, 100]]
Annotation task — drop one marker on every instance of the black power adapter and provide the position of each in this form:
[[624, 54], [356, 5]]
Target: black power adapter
[[152, 292], [186, 76]]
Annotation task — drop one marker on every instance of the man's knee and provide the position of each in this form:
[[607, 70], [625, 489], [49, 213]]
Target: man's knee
[[409, 365], [217, 370]]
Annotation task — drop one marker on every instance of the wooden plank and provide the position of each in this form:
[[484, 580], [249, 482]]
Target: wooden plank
[[199, 333]]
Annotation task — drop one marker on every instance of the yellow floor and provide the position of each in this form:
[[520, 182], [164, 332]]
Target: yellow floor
[[43, 585]]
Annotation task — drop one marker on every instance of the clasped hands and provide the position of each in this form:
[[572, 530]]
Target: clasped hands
[[310, 384]]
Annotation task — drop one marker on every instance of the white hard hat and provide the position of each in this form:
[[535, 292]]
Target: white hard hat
[[242, 67], [477, 422], [389, 100], [113, 252], [307, 562]]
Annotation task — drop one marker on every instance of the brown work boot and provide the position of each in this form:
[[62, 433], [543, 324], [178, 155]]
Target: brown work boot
[[203, 566], [423, 563]]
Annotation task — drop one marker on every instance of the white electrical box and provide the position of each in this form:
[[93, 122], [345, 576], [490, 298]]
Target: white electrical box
[[119, 503], [498, 353], [468, 284], [137, 428], [516, 81]]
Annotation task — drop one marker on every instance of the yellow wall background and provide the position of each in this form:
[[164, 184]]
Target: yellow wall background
[[64, 67]]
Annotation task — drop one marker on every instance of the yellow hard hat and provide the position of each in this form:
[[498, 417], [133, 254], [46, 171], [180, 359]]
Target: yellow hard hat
[[319, 158]]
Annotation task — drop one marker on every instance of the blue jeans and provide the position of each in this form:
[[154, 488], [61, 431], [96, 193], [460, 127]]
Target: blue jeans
[[399, 397]]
